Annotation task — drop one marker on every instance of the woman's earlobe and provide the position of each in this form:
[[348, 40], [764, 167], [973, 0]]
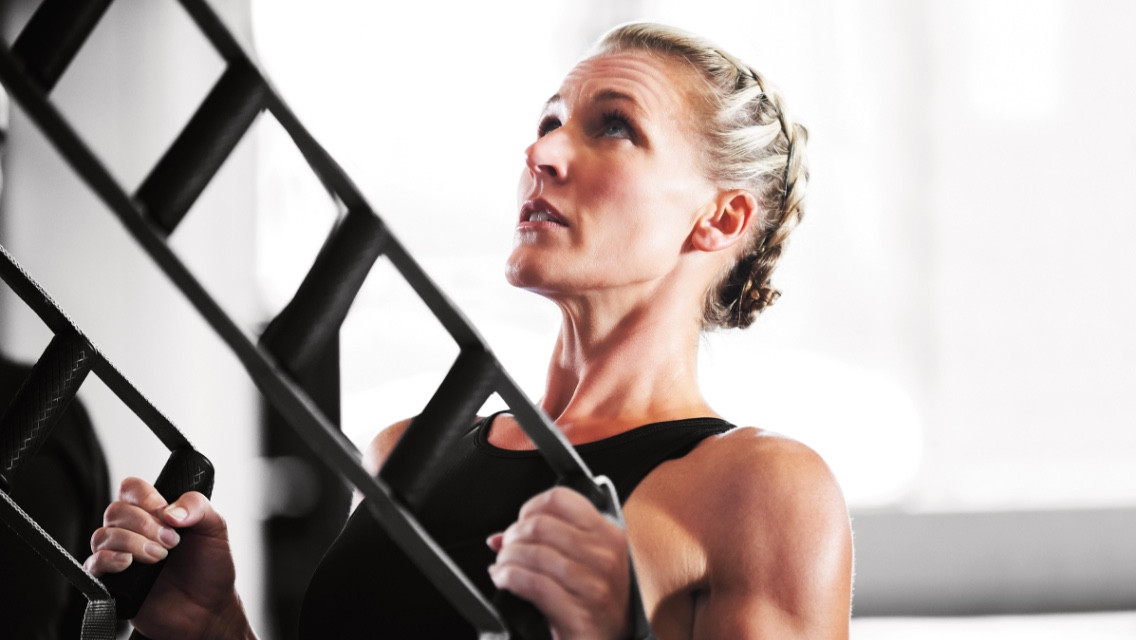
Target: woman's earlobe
[[725, 223]]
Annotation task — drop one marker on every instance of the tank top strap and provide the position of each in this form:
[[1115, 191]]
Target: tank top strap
[[628, 457], [625, 458]]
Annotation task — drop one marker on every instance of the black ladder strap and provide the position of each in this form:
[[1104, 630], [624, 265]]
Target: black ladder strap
[[174, 184], [99, 617], [27, 422], [54, 35]]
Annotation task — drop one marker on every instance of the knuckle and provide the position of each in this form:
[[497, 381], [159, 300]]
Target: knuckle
[[106, 540], [126, 485], [98, 538], [611, 561], [196, 502], [114, 511], [536, 527], [595, 590], [560, 566], [102, 560], [132, 488], [557, 496], [507, 577]]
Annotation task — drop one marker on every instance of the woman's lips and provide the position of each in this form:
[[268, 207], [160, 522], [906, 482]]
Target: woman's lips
[[540, 213]]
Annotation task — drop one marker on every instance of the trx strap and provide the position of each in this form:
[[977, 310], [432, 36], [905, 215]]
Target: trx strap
[[312, 318], [27, 423]]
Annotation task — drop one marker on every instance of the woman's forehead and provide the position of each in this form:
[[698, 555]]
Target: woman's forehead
[[653, 82]]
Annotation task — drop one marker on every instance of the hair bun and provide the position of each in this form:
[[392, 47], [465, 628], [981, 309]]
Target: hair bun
[[752, 303]]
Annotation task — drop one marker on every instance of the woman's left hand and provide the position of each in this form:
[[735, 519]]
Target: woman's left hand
[[569, 560]]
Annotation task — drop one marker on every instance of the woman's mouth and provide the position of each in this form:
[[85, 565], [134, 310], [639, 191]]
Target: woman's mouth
[[540, 212]]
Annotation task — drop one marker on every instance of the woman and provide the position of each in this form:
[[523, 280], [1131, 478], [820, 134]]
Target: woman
[[655, 202]]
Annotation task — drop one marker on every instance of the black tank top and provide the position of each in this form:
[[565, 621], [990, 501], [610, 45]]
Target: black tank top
[[365, 587]]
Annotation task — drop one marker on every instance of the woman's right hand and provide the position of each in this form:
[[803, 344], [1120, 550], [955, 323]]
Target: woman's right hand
[[195, 595]]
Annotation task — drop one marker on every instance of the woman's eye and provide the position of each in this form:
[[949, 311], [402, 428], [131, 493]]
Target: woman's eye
[[547, 125], [615, 126]]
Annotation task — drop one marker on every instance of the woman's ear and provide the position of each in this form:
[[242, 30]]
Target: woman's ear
[[725, 221]]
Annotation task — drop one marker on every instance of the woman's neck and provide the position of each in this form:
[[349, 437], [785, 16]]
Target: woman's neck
[[616, 367]]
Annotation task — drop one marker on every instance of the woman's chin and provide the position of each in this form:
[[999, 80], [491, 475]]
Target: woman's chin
[[532, 277], [524, 278], [523, 270]]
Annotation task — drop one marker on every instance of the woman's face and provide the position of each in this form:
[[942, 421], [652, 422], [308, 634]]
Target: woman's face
[[614, 181]]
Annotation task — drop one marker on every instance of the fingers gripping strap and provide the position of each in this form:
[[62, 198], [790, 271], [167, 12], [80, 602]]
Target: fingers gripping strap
[[186, 470], [640, 625]]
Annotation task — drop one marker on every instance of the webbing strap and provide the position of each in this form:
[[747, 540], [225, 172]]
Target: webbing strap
[[53, 316], [32, 414], [49, 549], [99, 621], [99, 617], [27, 422], [54, 35]]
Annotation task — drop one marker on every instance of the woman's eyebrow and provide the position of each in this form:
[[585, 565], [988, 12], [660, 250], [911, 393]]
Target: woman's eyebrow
[[603, 95], [614, 95], [607, 95]]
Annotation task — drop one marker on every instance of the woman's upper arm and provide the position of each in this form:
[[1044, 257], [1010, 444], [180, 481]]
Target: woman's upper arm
[[378, 450], [382, 444], [779, 562]]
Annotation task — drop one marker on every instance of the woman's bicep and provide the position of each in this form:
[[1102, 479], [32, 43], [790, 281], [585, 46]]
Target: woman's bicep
[[781, 565]]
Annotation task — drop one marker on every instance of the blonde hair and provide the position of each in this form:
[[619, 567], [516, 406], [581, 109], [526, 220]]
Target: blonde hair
[[751, 144]]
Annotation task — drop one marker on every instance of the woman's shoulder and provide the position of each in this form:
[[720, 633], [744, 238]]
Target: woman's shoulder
[[765, 470], [763, 516], [759, 458], [751, 483], [382, 444]]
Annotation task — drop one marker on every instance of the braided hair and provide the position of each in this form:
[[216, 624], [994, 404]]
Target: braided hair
[[751, 144]]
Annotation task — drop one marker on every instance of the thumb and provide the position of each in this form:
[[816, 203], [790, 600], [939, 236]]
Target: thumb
[[193, 510]]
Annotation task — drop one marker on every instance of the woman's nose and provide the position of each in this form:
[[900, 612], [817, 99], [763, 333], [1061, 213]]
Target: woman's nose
[[549, 156]]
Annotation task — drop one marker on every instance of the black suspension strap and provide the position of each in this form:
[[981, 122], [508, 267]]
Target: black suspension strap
[[313, 317], [27, 423]]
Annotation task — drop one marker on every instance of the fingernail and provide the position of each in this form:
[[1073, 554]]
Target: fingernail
[[169, 537], [177, 513], [123, 558], [156, 550]]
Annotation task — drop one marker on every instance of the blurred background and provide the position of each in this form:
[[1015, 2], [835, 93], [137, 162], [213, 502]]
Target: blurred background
[[954, 335]]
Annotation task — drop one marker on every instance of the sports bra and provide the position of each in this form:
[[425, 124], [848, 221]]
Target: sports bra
[[365, 587]]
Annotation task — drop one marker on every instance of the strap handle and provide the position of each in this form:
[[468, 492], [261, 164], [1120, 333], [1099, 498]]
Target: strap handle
[[185, 470]]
